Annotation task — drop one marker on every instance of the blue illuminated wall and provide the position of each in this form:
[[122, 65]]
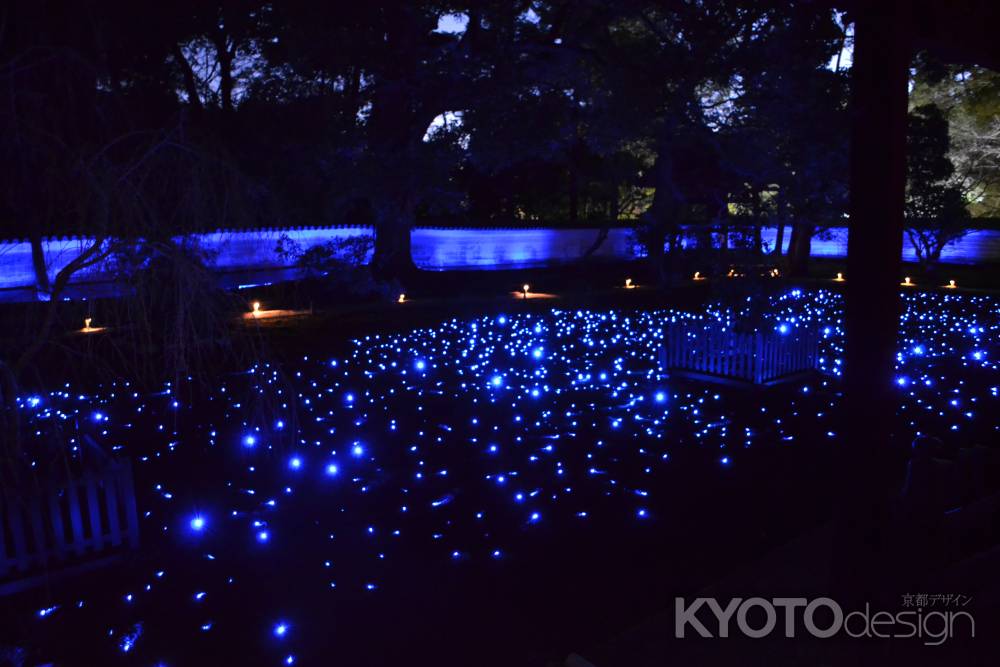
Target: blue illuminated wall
[[444, 249], [250, 257]]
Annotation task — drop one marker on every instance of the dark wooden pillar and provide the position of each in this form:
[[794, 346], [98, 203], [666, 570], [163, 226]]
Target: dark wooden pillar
[[878, 175]]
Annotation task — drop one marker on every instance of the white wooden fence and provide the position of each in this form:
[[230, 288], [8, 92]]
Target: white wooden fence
[[66, 525], [757, 357]]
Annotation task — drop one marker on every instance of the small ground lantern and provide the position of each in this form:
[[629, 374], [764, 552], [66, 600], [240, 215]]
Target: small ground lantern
[[401, 299], [88, 328], [628, 283], [906, 282], [524, 288], [839, 278]]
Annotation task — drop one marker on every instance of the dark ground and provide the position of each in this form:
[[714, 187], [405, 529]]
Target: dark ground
[[600, 591]]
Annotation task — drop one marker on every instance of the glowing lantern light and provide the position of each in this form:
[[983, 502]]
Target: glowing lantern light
[[906, 282], [87, 326], [628, 283], [256, 308], [698, 276], [951, 284], [839, 278], [524, 288], [401, 299]]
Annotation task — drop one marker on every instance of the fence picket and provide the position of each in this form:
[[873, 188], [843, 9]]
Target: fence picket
[[4, 560], [75, 517], [128, 496], [111, 501], [41, 553], [58, 529], [94, 510], [21, 557]]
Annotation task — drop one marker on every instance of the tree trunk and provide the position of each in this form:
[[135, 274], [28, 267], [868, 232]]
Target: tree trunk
[[352, 96], [779, 239], [602, 236], [42, 285], [878, 178], [799, 249], [225, 58], [661, 220], [574, 195], [393, 258], [190, 85]]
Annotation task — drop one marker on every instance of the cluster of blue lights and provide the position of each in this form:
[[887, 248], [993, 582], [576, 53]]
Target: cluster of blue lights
[[467, 440]]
